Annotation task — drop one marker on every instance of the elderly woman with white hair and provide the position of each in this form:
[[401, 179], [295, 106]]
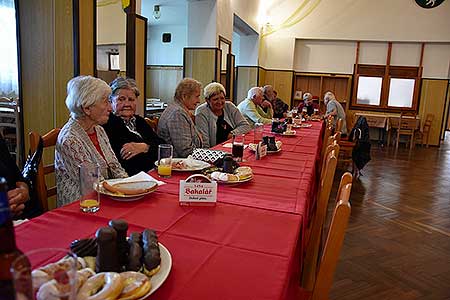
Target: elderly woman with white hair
[[248, 107], [82, 139], [176, 125], [335, 110], [217, 119]]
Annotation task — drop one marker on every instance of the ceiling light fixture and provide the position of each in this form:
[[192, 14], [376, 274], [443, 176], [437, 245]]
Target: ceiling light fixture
[[156, 12]]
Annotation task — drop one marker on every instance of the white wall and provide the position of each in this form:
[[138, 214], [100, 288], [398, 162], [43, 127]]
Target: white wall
[[236, 45], [249, 46], [324, 56], [335, 56], [364, 20], [159, 53], [248, 11], [202, 24], [111, 24], [102, 56]]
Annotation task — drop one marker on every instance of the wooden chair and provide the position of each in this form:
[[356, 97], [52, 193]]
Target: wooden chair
[[332, 246], [339, 125], [315, 235], [406, 126], [153, 123], [42, 191], [424, 134]]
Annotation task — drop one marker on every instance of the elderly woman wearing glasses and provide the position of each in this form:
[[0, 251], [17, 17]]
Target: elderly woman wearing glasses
[[82, 139], [176, 125], [217, 119], [134, 142]]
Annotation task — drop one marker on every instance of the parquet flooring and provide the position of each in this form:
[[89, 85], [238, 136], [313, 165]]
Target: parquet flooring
[[397, 244]]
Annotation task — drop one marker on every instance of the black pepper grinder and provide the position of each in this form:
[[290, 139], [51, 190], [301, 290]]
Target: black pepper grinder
[[228, 164]]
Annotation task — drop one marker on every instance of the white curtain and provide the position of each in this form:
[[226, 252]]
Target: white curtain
[[8, 50]]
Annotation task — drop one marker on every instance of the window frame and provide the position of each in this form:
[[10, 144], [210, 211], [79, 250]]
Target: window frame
[[386, 72]]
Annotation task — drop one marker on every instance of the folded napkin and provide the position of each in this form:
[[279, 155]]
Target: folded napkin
[[193, 163], [18, 222], [230, 145], [141, 176]]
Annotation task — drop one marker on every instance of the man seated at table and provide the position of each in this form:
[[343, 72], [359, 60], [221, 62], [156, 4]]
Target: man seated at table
[[335, 109], [279, 107], [248, 107], [308, 104]]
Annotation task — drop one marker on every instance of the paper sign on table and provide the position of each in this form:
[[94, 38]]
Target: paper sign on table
[[198, 192]]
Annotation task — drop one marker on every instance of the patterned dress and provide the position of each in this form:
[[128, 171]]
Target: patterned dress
[[75, 147]]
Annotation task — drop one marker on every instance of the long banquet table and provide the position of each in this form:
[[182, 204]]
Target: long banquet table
[[247, 246]]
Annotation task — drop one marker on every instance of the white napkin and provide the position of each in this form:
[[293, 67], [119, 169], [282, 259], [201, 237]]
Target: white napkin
[[193, 163], [18, 222], [230, 145], [141, 176]]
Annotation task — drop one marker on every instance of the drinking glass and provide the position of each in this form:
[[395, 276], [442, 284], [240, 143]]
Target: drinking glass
[[89, 174], [165, 153], [63, 271], [238, 146], [258, 132]]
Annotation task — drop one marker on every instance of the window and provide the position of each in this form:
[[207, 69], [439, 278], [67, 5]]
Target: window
[[385, 88], [9, 86], [401, 92], [369, 90]]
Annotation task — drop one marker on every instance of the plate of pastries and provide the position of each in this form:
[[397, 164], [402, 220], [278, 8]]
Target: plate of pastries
[[112, 265], [239, 175]]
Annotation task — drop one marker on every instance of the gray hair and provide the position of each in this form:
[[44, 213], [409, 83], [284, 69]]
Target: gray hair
[[212, 89], [85, 91], [123, 83], [328, 96], [307, 96], [253, 92], [186, 87]]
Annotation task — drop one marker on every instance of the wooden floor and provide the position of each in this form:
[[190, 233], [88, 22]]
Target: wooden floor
[[397, 244]]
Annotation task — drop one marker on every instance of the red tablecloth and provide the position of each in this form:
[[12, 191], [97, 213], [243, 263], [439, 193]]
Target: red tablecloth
[[246, 247]]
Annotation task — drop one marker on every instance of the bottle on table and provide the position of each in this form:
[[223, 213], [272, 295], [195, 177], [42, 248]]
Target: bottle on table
[[8, 249]]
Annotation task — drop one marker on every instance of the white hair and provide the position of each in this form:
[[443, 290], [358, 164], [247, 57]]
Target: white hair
[[328, 96], [307, 96], [253, 92], [85, 91], [212, 89]]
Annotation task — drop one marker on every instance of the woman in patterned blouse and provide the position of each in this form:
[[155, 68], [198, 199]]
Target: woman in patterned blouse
[[176, 125], [82, 139]]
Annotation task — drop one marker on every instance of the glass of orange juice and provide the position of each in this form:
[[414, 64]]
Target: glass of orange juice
[[165, 153], [89, 182]]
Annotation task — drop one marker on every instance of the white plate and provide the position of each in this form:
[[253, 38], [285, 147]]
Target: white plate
[[200, 165], [234, 182], [305, 125], [166, 265], [292, 133], [148, 184]]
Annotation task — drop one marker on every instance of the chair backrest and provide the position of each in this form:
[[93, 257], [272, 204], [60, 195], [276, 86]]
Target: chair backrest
[[428, 121], [333, 146], [333, 244], [313, 246], [326, 135], [339, 125], [407, 122], [42, 191]]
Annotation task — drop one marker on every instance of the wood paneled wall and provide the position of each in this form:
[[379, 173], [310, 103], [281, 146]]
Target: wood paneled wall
[[46, 57], [433, 100], [281, 81], [46, 62], [246, 78], [162, 81], [140, 60], [202, 64], [86, 36]]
